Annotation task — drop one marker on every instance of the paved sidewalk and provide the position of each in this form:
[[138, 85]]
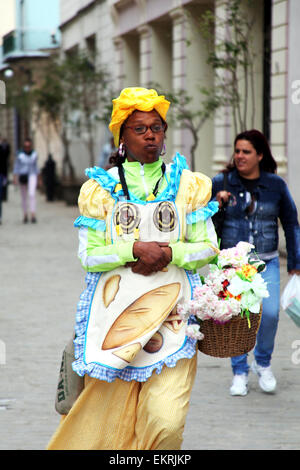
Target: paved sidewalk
[[40, 283]]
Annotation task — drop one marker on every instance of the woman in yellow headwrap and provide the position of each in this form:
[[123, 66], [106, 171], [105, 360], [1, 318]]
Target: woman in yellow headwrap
[[144, 227]]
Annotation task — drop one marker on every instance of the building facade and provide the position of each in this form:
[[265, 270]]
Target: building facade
[[287, 117], [24, 53], [154, 42], [87, 25], [160, 43]]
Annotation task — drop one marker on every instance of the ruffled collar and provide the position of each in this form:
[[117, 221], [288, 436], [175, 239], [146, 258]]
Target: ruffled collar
[[148, 167], [110, 183]]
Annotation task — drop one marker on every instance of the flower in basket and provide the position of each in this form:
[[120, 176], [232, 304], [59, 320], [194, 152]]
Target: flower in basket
[[233, 286]]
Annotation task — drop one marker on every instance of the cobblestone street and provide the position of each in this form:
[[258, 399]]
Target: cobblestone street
[[41, 280]]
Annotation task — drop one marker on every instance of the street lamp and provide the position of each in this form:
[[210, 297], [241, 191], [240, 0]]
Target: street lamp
[[8, 73]]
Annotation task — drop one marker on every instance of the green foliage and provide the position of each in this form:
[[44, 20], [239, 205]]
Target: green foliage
[[75, 95], [232, 58], [19, 93]]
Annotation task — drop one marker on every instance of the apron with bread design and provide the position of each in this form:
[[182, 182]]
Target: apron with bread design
[[132, 320]]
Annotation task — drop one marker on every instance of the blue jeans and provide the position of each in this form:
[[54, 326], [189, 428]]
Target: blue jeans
[[270, 315]]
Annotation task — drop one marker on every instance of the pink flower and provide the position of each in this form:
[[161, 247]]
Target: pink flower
[[214, 299]]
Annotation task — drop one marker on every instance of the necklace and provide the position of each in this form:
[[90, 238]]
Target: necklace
[[125, 187]]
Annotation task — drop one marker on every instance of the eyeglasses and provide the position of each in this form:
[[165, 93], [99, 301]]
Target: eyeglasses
[[155, 128]]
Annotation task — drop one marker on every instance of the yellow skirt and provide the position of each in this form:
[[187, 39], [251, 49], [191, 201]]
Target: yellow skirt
[[129, 415]]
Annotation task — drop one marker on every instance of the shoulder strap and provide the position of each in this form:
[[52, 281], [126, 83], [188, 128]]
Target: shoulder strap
[[123, 181], [225, 181], [163, 170], [124, 184]]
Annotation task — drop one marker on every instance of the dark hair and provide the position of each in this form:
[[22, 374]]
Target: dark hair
[[261, 145], [115, 159]]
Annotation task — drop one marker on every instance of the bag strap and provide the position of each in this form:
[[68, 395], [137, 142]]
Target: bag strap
[[123, 181], [225, 181]]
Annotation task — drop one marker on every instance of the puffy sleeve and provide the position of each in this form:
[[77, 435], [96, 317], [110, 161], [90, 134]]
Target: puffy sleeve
[[95, 253], [194, 190], [94, 201], [200, 245]]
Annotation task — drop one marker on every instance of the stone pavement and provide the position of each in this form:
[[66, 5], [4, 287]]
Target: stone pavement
[[40, 283]]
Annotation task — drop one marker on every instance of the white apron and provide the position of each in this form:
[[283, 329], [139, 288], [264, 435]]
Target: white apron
[[132, 318]]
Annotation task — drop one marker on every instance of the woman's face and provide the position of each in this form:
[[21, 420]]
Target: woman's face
[[27, 147], [147, 147], [247, 159]]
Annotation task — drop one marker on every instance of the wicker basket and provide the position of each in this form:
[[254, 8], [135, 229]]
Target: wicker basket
[[233, 338]]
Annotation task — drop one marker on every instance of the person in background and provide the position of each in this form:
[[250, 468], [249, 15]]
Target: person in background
[[26, 176], [257, 198], [4, 161], [105, 154], [49, 177]]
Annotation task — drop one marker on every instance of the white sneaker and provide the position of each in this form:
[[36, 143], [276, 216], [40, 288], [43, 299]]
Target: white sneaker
[[266, 381], [239, 385]]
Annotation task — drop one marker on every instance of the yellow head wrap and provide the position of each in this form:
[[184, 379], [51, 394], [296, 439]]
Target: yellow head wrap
[[132, 99]]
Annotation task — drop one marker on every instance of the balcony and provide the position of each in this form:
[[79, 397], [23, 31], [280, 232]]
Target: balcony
[[29, 42], [9, 43]]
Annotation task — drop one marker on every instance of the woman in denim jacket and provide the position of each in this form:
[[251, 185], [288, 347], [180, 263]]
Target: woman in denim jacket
[[256, 198]]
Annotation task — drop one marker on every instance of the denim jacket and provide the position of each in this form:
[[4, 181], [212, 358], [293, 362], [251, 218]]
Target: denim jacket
[[274, 202]]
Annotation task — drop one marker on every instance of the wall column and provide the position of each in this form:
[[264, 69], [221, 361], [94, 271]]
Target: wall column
[[279, 98], [222, 118], [250, 115], [178, 68], [119, 62], [145, 33], [293, 101]]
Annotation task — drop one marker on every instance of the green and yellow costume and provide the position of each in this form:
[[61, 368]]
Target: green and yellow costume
[[130, 345]]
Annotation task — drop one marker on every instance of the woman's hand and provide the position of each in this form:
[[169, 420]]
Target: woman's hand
[[223, 197], [167, 250], [152, 257]]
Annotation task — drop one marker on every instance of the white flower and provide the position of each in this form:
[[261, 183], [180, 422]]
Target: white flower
[[251, 302], [236, 256], [237, 286], [259, 286], [183, 311], [227, 290], [245, 247], [194, 331]]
